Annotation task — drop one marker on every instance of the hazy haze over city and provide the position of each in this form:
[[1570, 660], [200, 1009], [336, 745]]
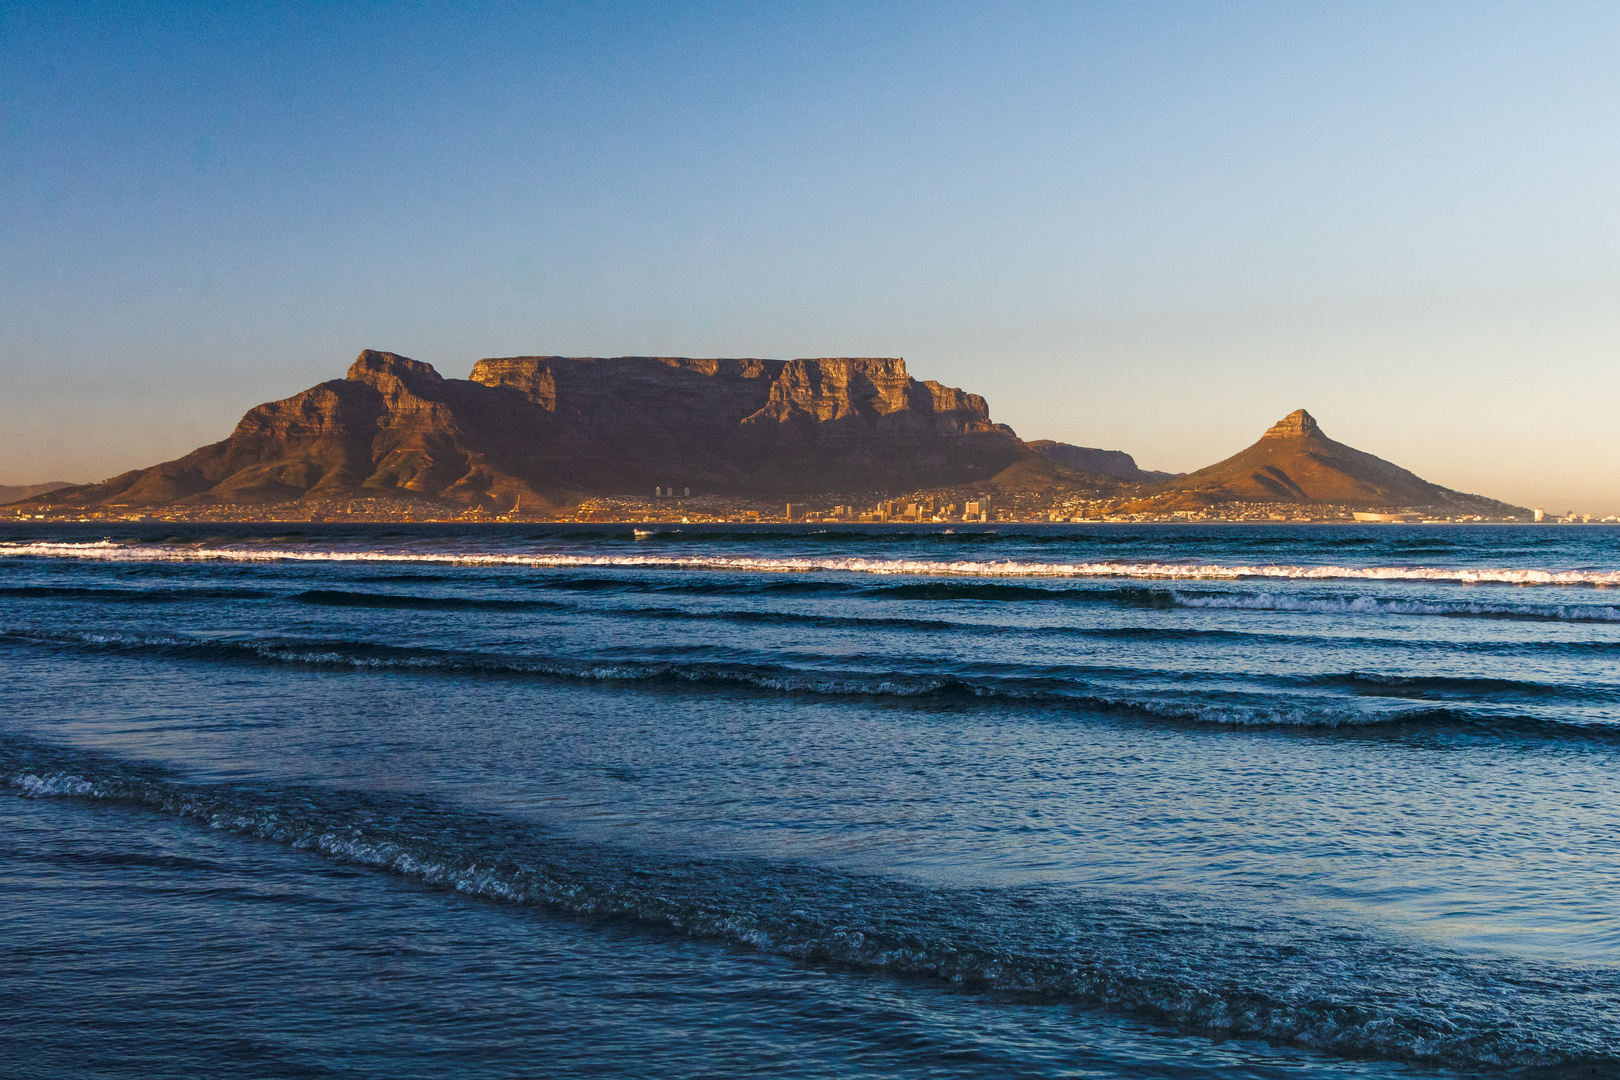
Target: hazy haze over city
[[1150, 227]]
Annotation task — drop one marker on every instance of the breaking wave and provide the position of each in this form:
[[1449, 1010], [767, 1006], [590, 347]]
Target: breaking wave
[[106, 550]]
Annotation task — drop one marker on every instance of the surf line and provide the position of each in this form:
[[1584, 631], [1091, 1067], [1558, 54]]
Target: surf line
[[108, 551]]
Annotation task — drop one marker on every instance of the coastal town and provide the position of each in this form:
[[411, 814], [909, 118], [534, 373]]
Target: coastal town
[[917, 508]]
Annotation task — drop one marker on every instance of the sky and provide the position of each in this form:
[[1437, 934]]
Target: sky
[[1155, 227]]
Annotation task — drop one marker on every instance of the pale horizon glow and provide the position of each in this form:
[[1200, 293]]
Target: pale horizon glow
[[1150, 227]]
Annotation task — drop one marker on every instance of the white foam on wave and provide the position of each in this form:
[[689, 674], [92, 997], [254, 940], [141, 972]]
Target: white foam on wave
[[1371, 605], [108, 551], [52, 786]]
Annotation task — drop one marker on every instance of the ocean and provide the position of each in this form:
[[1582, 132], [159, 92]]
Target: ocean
[[821, 801]]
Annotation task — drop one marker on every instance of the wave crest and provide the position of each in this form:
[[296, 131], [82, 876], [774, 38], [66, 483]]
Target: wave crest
[[106, 550]]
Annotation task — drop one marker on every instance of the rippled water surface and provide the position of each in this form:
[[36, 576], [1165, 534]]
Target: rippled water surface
[[1099, 801]]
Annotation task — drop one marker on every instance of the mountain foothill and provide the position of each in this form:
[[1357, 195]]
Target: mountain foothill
[[545, 432], [10, 493]]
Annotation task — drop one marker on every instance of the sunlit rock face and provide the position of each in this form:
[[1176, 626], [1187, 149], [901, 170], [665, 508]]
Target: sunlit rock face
[[545, 429], [757, 425]]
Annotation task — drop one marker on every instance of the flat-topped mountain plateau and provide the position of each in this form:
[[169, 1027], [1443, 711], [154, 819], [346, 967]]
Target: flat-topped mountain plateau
[[544, 435], [542, 432]]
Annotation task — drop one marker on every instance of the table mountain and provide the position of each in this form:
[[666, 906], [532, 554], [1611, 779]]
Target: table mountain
[[547, 429]]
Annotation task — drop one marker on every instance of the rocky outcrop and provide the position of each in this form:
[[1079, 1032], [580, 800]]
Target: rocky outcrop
[[1115, 463], [391, 426], [544, 430], [1294, 462]]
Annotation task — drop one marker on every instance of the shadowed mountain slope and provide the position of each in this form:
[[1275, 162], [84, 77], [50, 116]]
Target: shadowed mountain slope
[[1115, 463], [393, 426], [10, 493], [1294, 462], [546, 430]]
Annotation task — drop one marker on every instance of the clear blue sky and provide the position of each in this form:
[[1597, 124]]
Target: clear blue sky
[[1153, 227]]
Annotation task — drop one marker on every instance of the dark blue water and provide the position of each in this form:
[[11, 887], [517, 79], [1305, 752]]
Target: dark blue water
[[1069, 801]]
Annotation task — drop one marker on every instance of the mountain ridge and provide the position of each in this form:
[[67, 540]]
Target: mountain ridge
[[1116, 463], [1294, 461], [543, 431], [10, 493]]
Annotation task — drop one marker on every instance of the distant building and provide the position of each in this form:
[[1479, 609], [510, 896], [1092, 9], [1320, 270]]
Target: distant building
[[1541, 515]]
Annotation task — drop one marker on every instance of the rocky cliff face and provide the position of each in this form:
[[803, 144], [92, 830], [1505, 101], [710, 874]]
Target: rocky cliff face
[[545, 429], [755, 425], [392, 426]]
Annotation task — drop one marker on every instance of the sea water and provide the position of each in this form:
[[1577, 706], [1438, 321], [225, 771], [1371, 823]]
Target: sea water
[[1103, 801]]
